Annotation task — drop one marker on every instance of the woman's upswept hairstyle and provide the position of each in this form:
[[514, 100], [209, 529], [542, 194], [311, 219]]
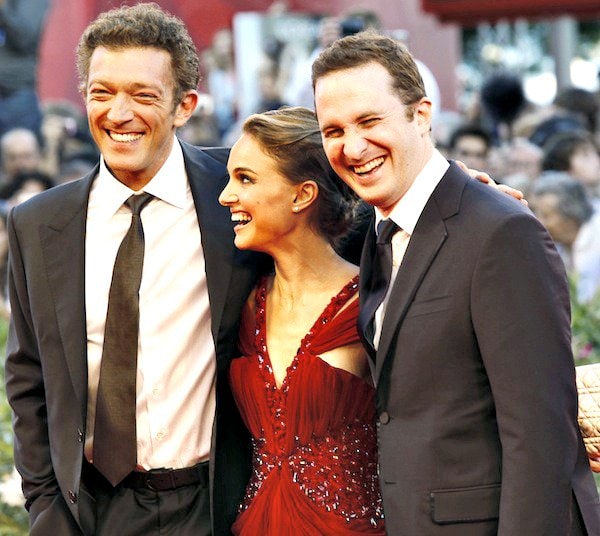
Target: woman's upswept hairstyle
[[291, 136], [142, 25]]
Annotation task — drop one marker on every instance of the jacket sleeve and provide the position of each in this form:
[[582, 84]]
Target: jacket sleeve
[[26, 390], [521, 316]]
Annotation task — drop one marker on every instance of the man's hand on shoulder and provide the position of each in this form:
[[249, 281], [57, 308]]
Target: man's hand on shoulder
[[486, 179]]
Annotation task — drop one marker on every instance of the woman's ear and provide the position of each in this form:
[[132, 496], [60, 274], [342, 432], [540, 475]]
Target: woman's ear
[[306, 194]]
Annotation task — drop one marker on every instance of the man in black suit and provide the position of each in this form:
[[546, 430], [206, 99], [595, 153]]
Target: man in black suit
[[139, 73], [470, 344]]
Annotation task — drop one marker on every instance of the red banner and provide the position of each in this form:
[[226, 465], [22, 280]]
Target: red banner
[[468, 12]]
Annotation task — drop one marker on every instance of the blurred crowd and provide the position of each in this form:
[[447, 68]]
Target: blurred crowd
[[550, 152]]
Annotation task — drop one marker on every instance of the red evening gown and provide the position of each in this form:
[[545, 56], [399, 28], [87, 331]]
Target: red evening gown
[[314, 437]]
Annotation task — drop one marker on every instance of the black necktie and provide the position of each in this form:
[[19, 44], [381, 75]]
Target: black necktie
[[115, 449], [381, 272]]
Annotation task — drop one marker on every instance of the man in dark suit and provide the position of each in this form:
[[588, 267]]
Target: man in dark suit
[[470, 343], [139, 73]]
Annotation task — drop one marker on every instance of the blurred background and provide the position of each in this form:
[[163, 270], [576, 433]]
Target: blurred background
[[515, 86]]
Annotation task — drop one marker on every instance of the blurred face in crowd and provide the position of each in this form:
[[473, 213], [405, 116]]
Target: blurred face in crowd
[[563, 230], [20, 152], [374, 142], [131, 110], [472, 150], [524, 157], [585, 165]]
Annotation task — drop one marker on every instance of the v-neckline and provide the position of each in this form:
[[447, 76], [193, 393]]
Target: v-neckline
[[328, 313]]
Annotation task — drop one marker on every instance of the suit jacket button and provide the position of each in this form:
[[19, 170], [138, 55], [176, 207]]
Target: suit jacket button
[[79, 435], [72, 496], [384, 417]]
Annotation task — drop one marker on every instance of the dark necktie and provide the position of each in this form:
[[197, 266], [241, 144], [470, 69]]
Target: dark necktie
[[381, 272], [115, 449]]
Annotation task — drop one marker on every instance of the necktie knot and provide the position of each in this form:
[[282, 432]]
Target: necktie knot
[[380, 273], [386, 229], [137, 202]]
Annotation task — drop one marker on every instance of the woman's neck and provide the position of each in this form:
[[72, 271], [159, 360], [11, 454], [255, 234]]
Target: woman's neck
[[311, 268]]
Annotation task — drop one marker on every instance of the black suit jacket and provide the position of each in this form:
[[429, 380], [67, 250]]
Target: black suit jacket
[[475, 378], [46, 367]]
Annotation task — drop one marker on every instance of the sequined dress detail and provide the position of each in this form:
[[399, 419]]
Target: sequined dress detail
[[314, 437]]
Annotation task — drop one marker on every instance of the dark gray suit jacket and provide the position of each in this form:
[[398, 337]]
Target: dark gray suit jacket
[[475, 377], [46, 368]]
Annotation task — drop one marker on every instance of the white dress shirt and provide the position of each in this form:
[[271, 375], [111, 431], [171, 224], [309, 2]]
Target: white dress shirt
[[176, 354], [406, 214]]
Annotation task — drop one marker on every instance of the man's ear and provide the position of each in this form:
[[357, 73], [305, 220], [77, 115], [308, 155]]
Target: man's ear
[[186, 107], [423, 114]]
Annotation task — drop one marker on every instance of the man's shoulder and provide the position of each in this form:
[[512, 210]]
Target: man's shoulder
[[488, 202], [458, 193], [71, 195], [218, 155], [221, 154]]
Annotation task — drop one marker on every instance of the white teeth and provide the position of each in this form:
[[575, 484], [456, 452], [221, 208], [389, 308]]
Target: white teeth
[[369, 166], [124, 137], [241, 217]]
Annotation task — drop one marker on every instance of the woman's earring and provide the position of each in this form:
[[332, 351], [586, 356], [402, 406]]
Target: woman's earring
[[296, 209]]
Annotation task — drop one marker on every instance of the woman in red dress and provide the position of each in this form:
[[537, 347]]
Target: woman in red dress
[[302, 384]]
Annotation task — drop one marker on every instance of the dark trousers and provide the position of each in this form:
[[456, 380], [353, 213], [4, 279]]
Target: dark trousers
[[184, 511]]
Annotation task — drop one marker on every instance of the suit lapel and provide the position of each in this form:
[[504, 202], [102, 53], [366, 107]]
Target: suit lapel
[[207, 178], [421, 252], [427, 239], [63, 250]]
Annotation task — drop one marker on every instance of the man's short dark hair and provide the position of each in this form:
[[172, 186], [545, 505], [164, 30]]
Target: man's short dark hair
[[142, 25]]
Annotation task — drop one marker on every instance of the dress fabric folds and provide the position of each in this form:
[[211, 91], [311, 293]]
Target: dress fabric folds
[[314, 437]]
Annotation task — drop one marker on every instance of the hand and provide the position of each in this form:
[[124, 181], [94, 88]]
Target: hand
[[486, 179], [592, 450], [595, 464]]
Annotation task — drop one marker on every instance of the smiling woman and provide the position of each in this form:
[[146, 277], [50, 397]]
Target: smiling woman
[[282, 150], [302, 382]]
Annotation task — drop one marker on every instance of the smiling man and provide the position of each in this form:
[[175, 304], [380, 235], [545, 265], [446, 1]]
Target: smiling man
[[470, 346], [143, 444]]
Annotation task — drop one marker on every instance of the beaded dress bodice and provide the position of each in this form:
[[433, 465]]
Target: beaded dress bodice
[[314, 437]]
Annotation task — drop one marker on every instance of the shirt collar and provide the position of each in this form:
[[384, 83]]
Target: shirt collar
[[408, 210], [170, 184]]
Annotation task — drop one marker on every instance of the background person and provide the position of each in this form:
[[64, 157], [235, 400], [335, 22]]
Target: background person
[[470, 144], [575, 153], [563, 205], [20, 152], [21, 28]]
